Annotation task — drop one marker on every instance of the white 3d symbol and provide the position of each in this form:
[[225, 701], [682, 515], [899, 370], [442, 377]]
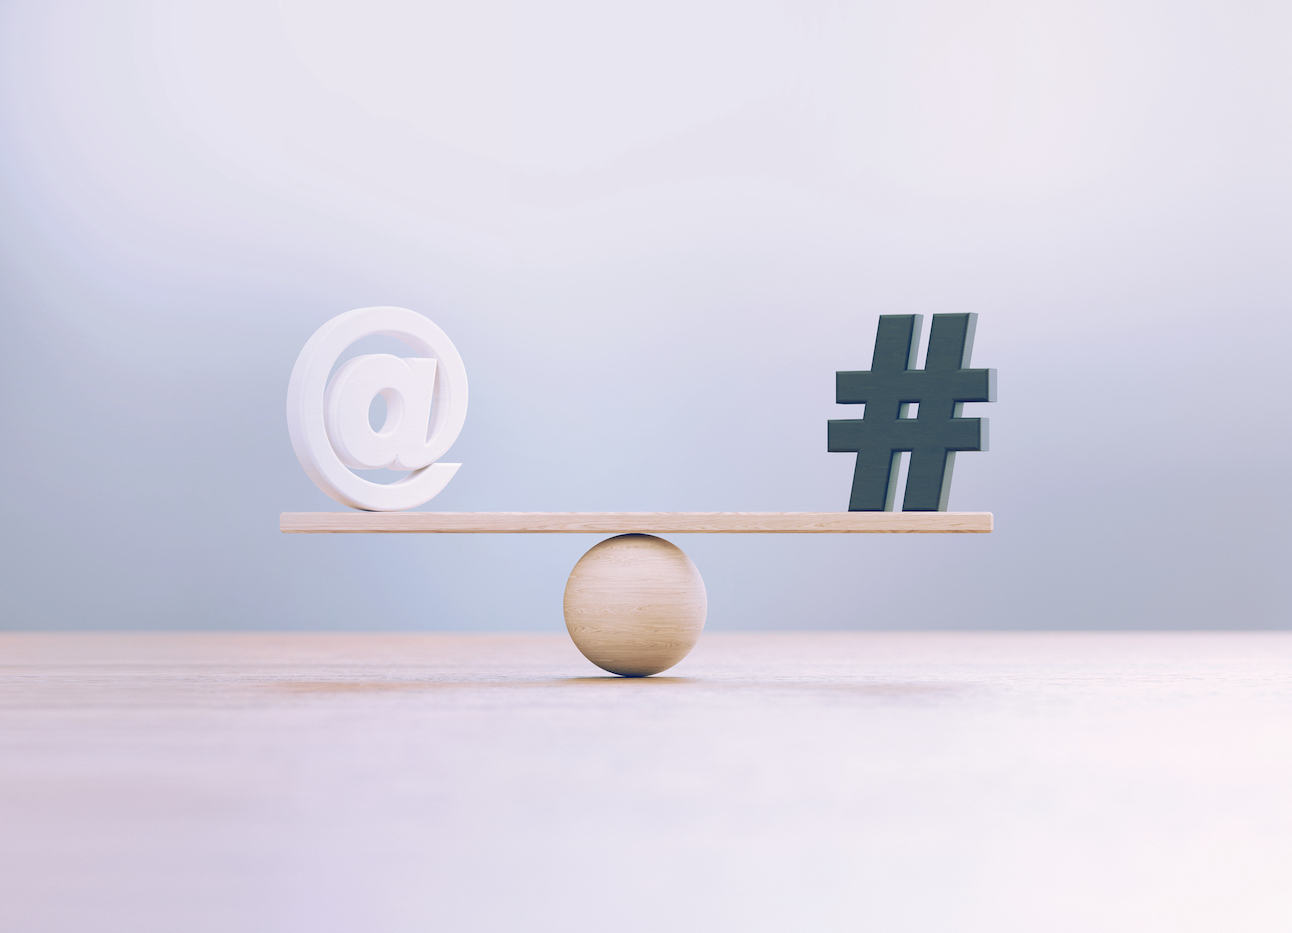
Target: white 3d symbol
[[426, 403]]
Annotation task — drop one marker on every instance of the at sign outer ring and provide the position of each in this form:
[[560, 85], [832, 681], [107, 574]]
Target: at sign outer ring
[[308, 430]]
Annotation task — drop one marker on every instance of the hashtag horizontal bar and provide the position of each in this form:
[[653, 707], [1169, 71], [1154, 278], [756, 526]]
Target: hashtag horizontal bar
[[635, 522]]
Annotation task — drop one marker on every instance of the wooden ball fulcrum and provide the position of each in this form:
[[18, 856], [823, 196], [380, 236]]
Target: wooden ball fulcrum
[[635, 605]]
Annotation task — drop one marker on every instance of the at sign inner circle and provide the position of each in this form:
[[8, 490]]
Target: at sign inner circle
[[306, 408]]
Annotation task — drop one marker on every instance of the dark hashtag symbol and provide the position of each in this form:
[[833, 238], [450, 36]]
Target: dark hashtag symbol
[[937, 431]]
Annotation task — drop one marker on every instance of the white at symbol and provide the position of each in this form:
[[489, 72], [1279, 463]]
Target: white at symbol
[[426, 403]]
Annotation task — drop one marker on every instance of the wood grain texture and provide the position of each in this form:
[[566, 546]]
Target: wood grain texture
[[1118, 782], [635, 605], [635, 522]]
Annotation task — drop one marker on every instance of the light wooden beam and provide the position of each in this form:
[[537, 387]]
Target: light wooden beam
[[635, 522]]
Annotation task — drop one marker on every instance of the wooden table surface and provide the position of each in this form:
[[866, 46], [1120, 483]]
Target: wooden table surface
[[779, 782]]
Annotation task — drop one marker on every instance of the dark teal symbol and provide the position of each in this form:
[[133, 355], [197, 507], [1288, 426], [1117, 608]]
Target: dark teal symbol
[[933, 436]]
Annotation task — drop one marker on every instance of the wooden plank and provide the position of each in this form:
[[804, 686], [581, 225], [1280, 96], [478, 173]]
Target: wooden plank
[[640, 522]]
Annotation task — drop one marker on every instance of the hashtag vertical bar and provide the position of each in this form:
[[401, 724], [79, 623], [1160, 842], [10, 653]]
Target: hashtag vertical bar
[[928, 479], [897, 341], [874, 477], [874, 481]]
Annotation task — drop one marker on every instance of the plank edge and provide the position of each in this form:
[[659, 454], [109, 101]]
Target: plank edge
[[628, 522]]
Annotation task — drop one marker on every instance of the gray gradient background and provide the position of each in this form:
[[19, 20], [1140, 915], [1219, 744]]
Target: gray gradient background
[[654, 231]]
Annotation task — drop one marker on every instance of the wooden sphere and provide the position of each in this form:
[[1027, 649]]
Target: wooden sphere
[[635, 605]]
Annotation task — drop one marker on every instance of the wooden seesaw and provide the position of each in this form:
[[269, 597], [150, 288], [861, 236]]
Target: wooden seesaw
[[635, 604]]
